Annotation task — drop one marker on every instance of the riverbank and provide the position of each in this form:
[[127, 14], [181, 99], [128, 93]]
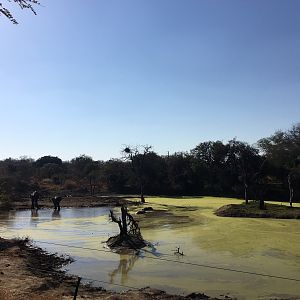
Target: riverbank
[[79, 201], [251, 210], [28, 272]]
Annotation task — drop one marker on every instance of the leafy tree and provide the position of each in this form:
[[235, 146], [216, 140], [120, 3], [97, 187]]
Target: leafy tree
[[283, 150], [50, 167], [86, 170], [82, 166], [180, 174], [6, 191], [50, 170], [211, 160], [116, 175], [48, 160], [210, 153], [245, 161], [155, 173], [23, 4]]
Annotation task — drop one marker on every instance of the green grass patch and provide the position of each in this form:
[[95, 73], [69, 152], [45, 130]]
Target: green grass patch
[[252, 210]]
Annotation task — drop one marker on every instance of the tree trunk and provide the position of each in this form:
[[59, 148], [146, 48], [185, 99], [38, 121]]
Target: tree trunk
[[142, 194], [291, 190], [124, 222], [261, 204], [130, 236], [261, 201], [245, 192], [91, 186]]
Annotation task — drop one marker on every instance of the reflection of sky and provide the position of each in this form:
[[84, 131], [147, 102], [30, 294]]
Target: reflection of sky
[[69, 222], [265, 246]]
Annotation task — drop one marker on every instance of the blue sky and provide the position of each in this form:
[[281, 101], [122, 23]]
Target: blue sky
[[87, 77]]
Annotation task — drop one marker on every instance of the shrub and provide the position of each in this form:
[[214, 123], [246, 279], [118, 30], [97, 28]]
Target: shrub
[[70, 184], [5, 202]]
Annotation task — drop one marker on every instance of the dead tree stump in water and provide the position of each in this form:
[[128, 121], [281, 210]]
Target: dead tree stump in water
[[130, 235]]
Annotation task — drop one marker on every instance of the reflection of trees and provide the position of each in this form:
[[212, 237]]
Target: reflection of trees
[[125, 265]]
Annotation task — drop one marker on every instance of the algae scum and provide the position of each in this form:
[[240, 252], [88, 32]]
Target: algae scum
[[210, 245]]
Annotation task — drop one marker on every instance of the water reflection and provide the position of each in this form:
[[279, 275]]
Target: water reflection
[[34, 213], [56, 215], [31, 218], [34, 220], [126, 263]]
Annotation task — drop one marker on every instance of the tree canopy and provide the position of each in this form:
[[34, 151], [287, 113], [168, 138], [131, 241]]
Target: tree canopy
[[282, 150], [269, 171]]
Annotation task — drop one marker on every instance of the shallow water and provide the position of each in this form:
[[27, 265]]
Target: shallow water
[[251, 245]]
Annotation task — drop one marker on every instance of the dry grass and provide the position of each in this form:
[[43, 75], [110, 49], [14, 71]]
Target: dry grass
[[5, 295]]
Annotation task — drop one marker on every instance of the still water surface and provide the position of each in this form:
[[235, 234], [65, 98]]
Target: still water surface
[[251, 245]]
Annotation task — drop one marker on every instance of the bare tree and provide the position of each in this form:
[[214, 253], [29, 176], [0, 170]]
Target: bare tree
[[23, 4], [130, 235], [137, 155]]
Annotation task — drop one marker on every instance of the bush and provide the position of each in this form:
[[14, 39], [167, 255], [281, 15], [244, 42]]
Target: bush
[[70, 185], [5, 202]]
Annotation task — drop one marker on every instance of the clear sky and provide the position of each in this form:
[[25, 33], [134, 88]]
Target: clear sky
[[86, 77]]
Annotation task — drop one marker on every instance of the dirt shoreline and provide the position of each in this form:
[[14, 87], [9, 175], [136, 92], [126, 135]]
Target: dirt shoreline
[[28, 272], [80, 201]]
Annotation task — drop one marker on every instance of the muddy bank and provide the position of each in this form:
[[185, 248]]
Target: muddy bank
[[28, 272], [252, 210], [82, 201]]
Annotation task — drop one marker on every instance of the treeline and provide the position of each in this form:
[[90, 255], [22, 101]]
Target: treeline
[[270, 170]]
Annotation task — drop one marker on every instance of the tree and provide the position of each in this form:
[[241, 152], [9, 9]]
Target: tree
[[137, 156], [130, 235], [48, 159], [115, 176], [211, 160], [50, 167], [86, 170], [23, 4], [283, 150], [245, 161], [181, 175]]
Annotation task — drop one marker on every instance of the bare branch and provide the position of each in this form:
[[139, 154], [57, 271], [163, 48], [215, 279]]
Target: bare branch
[[23, 4]]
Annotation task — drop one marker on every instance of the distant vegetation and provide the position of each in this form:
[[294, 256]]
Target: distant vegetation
[[269, 171]]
